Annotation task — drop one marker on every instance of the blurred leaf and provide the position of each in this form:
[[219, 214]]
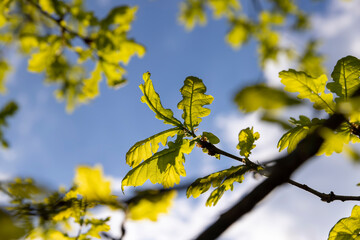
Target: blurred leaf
[[346, 75], [91, 85], [146, 148], [222, 181], [150, 204], [247, 137], [8, 228], [240, 32], [192, 12], [152, 99], [97, 226], [92, 185], [194, 98], [311, 62], [211, 137], [310, 88], [224, 7], [272, 119], [164, 167], [4, 70], [252, 98], [347, 228]]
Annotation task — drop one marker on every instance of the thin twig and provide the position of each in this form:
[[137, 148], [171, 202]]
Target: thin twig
[[85, 39], [323, 196]]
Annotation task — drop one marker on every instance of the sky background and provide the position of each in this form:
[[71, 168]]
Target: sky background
[[47, 144]]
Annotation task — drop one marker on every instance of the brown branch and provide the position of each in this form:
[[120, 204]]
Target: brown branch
[[280, 174], [323, 196]]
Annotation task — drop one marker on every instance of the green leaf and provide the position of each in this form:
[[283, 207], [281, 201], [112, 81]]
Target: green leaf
[[222, 181], [193, 101], [211, 137], [302, 127], [164, 167], [146, 148], [335, 141], [346, 77], [8, 227], [192, 12], [347, 228], [152, 99], [310, 88], [150, 204], [252, 98], [4, 70], [239, 33], [247, 137], [91, 85]]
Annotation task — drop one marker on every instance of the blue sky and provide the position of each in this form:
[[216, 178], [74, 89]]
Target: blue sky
[[47, 144]]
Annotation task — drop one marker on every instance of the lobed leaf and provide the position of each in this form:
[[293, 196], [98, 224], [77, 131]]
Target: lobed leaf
[[247, 137], [152, 99], [309, 87], [194, 99], [292, 137], [346, 75], [146, 148], [164, 167], [222, 181], [252, 98], [347, 228]]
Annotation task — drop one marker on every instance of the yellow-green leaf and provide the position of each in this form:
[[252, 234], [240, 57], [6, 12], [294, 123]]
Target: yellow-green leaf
[[302, 127], [4, 70], [252, 98], [164, 167], [309, 87], [92, 185], [247, 137], [346, 75], [150, 204], [194, 99], [152, 99], [146, 148], [222, 181], [347, 228], [192, 12], [91, 85]]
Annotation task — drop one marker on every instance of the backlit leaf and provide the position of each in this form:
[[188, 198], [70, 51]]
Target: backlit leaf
[[150, 204], [194, 99], [346, 75], [302, 127], [152, 99], [192, 12], [347, 228], [309, 87], [222, 181], [247, 137], [91, 85], [92, 185], [146, 148], [164, 167], [252, 98], [211, 137]]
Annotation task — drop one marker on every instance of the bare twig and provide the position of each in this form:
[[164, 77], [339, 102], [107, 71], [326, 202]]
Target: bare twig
[[323, 196]]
